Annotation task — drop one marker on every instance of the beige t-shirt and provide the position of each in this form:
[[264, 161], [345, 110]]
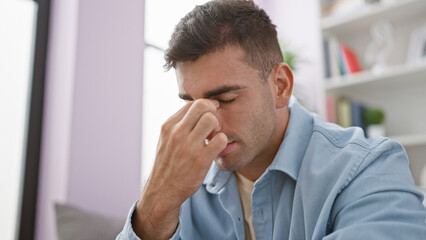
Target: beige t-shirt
[[245, 187]]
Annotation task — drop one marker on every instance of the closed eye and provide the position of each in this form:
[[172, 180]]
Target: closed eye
[[226, 101]]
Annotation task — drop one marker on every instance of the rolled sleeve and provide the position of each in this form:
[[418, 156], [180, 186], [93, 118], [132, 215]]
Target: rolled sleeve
[[128, 234]]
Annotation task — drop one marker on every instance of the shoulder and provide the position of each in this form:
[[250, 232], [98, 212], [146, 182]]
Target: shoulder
[[342, 137], [350, 139], [341, 154]]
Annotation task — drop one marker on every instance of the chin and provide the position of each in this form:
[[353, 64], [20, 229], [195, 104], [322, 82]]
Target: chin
[[226, 164]]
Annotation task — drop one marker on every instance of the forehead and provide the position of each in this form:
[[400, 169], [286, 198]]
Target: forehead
[[225, 67]]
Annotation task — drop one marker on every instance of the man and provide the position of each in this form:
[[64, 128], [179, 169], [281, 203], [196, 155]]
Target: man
[[243, 160]]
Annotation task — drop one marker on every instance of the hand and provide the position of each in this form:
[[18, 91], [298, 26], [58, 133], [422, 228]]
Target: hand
[[182, 162]]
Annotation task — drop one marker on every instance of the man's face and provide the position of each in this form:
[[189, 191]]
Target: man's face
[[247, 113]]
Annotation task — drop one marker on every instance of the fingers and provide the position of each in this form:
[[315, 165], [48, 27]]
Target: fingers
[[189, 114], [195, 122], [207, 125], [216, 145], [197, 109]]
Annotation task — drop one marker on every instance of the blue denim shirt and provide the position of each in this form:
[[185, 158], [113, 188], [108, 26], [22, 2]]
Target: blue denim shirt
[[325, 182]]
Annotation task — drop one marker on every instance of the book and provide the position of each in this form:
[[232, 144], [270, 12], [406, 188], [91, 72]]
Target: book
[[350, 60], [344, 112], [327, 64], [341, 7], [357, 114], [331, 109], [334, 54], [333, 62], [340, 60]]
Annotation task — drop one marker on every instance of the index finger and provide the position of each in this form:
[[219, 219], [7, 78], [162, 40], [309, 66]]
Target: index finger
[[196, 110]]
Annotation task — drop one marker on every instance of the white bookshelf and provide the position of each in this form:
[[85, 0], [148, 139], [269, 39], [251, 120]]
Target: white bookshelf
[[400, 89], [396, 75], [393, 10]]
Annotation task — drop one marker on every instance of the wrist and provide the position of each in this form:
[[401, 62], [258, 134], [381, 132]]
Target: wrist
[[154, 220]]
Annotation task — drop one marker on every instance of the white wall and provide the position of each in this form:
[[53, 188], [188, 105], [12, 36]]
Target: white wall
[[17, 28], [298, 24]]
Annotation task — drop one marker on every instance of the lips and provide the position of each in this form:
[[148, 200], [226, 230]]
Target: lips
[[226, 149]]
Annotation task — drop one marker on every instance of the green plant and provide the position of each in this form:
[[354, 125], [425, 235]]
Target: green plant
[[374, 116], [293, 60], [290, 57]]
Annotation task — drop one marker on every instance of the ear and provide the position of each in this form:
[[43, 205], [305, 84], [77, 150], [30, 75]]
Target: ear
[[283, 84]]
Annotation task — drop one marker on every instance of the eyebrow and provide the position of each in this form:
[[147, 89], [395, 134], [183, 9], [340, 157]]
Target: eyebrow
[[213, 93]]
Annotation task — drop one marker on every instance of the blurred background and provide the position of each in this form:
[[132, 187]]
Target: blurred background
[[83, 95]]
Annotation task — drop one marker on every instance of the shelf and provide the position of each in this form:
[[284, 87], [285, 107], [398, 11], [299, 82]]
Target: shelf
[[400, 89], [410, 140], [392, 75], [394, 11]]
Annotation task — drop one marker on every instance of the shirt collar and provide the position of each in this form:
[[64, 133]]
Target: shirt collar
[[216, 179], [296, 140], [290, 153]]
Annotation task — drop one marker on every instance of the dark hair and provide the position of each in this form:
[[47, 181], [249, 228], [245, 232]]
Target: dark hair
[[220, 23]]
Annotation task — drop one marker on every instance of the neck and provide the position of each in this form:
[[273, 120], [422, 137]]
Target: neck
[[260, 163]]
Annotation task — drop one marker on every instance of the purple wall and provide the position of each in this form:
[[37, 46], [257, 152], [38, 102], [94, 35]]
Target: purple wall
[[107, 107], [92, 125]]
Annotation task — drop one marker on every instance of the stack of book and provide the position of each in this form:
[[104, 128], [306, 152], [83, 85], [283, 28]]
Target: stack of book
[[341, 7], [345, 112], [339, 59]]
